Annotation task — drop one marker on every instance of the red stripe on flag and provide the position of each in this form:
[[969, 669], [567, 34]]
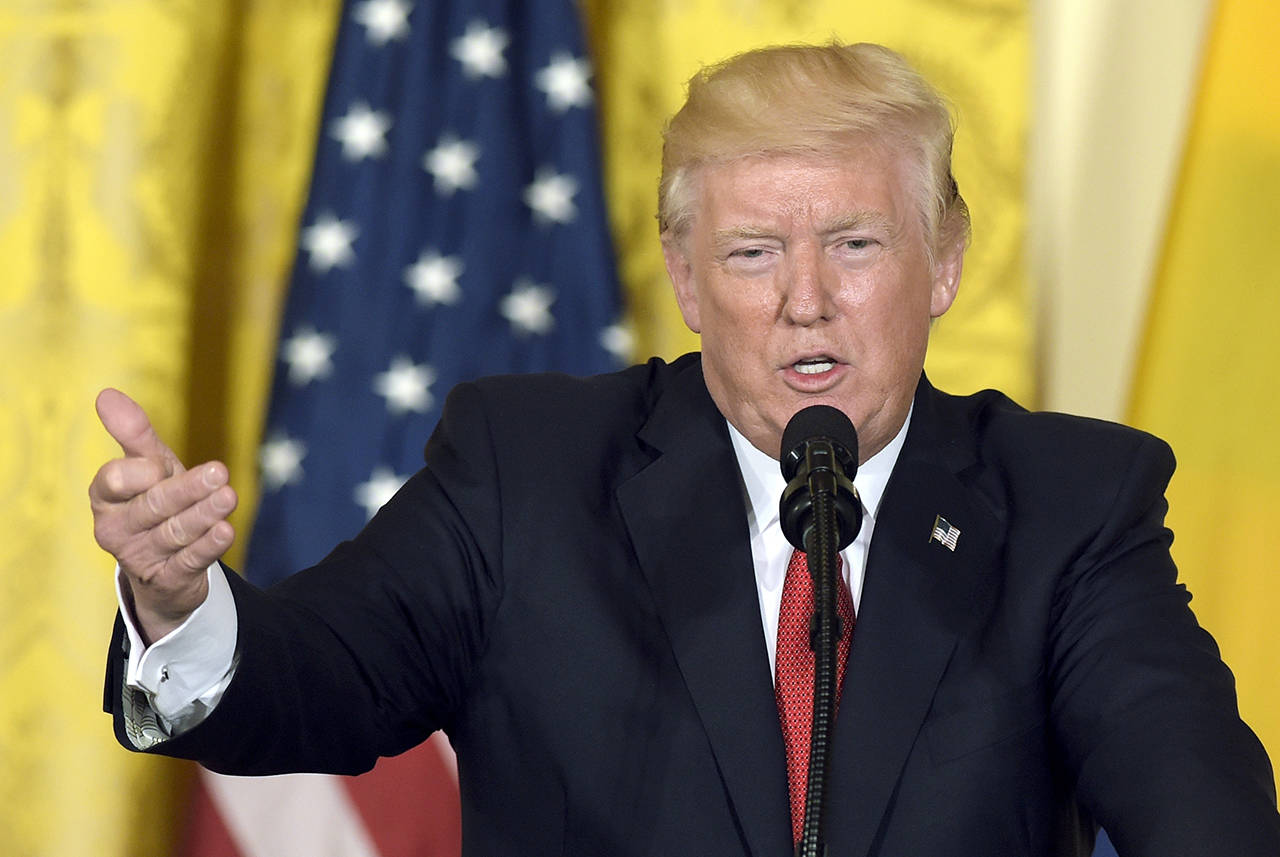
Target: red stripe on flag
[[409, 803], [205, 834], [408, 806]]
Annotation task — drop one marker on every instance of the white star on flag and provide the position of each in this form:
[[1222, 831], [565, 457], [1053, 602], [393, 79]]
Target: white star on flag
[[550, 196], [480, 49], [280, 459], [453, 164], [564, 80], [618, 340], [383, 20], [328, 241], [378, 489], [440, 116], [308, 354], [434, 278], [406, 386], [362, 132], [528, 307]]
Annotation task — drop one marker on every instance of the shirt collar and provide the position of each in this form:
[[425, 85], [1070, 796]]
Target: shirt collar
[[762, 477]]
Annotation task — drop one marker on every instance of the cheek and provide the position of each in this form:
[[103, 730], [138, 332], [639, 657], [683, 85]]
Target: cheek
[[893, 319], [737, 306]]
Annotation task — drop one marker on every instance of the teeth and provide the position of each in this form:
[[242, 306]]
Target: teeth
[[815, 367]]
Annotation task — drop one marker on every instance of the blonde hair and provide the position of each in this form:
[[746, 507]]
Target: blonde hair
[[819, 100]]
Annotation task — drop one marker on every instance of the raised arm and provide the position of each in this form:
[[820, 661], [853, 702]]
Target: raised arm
[[164, 524]]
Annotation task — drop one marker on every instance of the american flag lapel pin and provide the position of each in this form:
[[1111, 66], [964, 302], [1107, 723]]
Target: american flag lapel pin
[[944, 533]]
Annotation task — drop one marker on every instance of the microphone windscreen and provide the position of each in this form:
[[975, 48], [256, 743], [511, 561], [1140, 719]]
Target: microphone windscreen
[[814, 422]]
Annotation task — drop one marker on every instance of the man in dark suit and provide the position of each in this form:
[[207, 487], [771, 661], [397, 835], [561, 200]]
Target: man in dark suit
[[584, 585]]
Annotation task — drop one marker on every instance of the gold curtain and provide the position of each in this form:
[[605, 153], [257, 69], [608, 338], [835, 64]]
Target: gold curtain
[[1206, 375], [153, 157]]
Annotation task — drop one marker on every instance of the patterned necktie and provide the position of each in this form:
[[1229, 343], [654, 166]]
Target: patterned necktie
[[793, 684]]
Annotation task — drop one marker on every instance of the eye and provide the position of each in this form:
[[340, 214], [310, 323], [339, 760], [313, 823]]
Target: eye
[[857, 252], [751, 259]]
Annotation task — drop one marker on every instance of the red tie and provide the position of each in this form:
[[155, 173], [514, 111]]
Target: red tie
[[793, 684]]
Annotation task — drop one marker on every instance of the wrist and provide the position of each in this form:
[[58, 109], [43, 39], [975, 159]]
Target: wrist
[[157, 618]]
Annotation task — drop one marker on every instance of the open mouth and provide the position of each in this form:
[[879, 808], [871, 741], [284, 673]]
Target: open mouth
[[814, 365]]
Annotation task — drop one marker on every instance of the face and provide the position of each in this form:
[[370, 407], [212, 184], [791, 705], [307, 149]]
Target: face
[[809, 281]]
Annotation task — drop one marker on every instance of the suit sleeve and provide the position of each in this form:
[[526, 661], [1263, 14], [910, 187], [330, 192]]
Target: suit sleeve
[[368, 652], [1143, 705]]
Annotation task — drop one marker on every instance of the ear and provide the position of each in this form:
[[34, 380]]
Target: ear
[[680, 270], [946, 279]]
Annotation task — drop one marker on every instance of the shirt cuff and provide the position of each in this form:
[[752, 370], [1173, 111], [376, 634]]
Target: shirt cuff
[[184, 673]]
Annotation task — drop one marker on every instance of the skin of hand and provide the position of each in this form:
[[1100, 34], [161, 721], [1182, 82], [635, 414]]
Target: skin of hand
[[164, 524]]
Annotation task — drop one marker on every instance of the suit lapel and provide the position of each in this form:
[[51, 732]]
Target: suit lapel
[[687, 520], [918, 596]]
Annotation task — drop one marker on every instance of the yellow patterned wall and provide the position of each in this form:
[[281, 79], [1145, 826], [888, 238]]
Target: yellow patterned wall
[[152, 156], [975, 51]]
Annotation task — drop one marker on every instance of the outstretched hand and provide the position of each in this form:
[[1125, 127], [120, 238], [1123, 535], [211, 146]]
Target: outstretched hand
[[163, 523]]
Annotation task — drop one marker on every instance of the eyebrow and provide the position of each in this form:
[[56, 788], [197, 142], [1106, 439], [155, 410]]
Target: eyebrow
[[740, 233], [860, 220], [856, 220]]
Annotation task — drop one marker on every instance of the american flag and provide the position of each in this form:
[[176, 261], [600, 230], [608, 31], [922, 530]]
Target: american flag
[[455, 228], [944, 533]]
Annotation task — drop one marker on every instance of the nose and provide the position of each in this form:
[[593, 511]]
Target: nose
[[809, 288]]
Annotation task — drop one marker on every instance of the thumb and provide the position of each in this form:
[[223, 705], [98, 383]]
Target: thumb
[[124, 420]]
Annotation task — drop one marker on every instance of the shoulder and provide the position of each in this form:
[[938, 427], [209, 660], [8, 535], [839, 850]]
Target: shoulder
[[1025, 461], [1004, 433], [638, 386], [558, 410]]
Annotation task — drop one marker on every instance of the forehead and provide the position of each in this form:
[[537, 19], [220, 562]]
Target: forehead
[[857, 184]]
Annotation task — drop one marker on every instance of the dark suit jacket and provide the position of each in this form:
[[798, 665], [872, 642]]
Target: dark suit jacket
[[567, 589]]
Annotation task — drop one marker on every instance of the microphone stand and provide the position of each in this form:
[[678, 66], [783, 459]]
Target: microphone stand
[[820, 513], [821, 549]]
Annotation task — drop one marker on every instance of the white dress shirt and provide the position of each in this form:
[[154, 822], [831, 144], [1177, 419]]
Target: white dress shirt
[[770, 550], [185, 673]]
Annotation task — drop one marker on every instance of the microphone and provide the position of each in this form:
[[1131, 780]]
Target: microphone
[[821, 514], [819, 457]]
